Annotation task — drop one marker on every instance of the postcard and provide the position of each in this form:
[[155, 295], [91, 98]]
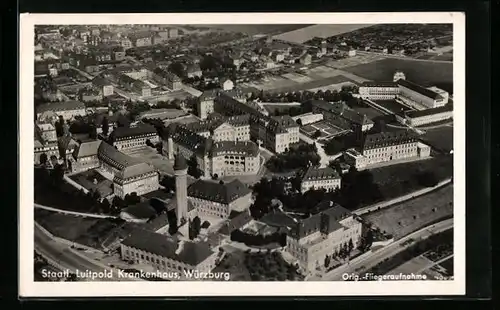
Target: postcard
[[242, 154]]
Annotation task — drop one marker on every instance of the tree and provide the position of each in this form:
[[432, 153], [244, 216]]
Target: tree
[[317, 134], [221, 182], [327, 261], [196, 226], [53, 160], [193, 167], [350, 246], [43, 159], [168, 182], [105, 126], [172, 223], [299, 122], [105, 206]]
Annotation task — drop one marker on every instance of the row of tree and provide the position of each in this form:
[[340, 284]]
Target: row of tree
[[258, 240], [342, 253], [303, 155]]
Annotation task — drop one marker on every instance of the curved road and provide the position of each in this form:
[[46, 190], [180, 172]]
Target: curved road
[[361, 264], [64, 256]]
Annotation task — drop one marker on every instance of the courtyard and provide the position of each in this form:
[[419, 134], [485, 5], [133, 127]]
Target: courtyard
[[326, 129], [92, 181], [151, 156]]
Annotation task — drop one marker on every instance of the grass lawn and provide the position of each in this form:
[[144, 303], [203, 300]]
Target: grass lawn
[[87, 231], [64, 226], [400, 179], [424, 73], [440, 138], [407, 217], [234, 264]]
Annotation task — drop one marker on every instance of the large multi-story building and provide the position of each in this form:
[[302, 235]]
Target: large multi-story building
[[386, 147], [275, 134], [46, 142], [104, 86], [171, 259], [341, 115], [428, 116], [128, 174], [409, 93], [420, 97], [317, 178], [213, 199], [134, 137], [169, 79], [219, 159], [205, 103], [220, 128], [140, 39], [311, 240], [67, 109], [379, 90]]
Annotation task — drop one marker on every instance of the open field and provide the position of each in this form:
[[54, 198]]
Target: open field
[[412, 266], [399, 179], [182, 120], [407, 217], [323, 31], [439, 74], [62, 225], [354, 61], [440, 138]]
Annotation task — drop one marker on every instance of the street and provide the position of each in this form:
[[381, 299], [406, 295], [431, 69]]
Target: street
[[364, 263], [64, 256]]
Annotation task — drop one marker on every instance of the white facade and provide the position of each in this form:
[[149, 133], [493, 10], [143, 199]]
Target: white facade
[[227, 85], [308, 118], [135, 142], [167, 265], [220, 210], [379, 92], [417, 99], [428, 119], [205, 107], [310, 251], [327, 184], [141, 184]]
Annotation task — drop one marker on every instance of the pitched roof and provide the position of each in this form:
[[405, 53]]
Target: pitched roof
[[426, 112], [121, 133], [316, 173], [141, 210], [192, 253], [187, 138], [61, 106], [379, 84], [100, 81], [419, 89], [388, 138], [86, 149], [286, 121], [221, 193], [248, 148], [326, 221], [236, 222], [166, 74]]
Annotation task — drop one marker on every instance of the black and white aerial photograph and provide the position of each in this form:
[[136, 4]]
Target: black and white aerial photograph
[[186, 153]]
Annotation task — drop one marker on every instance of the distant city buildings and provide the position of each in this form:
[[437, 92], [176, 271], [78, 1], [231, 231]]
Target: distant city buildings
[[67, 109]]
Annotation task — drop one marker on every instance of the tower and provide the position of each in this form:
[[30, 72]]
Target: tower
[[180, 170]]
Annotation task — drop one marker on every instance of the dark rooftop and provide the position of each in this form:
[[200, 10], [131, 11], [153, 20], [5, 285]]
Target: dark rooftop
[[388, 138], [121, 133], [191, 253], [316, 173], [220, 193], [419, 113], [419, 89]]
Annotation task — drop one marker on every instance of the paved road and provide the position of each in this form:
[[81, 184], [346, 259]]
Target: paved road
[[403, 57], [101, 216], [364, 263], [63, 255]]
